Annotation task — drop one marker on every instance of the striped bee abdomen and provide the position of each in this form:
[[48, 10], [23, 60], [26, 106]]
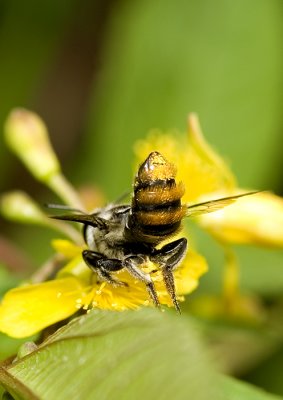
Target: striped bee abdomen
[[156, 205]]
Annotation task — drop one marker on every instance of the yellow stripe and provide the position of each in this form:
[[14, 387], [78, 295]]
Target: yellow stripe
[[160, 217], [159, 195]]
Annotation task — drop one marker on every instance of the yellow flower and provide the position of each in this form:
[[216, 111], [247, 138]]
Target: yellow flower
[[201, 170], [256, 219], [30, 308], [42, 302]]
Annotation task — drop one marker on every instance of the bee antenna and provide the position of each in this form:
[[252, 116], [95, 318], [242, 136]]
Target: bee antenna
[[122, 197], [62, 207]]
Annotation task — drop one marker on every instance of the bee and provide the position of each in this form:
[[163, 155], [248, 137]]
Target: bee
[[127, 236]]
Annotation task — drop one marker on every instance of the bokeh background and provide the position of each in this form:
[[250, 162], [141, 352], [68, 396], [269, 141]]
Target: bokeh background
[[102, 73]]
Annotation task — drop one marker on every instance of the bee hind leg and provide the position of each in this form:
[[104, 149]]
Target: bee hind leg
[[103, 266], [131, 264], [169, 258]]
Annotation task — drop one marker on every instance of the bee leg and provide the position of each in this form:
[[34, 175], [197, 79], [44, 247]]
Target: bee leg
[[169, 257], [131, 265], [103, 266]]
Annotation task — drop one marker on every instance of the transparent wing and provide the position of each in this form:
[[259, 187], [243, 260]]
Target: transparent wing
[[213, 205], [122, 197]]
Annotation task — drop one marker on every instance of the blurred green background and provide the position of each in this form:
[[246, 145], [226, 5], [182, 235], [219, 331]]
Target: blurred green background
[[103, 73]]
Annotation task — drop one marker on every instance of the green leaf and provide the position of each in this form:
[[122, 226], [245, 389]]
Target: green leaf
[[129, 355], [8, 346], [236, 390], [107, 355], [268, 374], [240, 346]]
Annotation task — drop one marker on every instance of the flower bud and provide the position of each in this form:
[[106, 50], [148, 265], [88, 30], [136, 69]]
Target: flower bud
[[18, 206], [27, 136]]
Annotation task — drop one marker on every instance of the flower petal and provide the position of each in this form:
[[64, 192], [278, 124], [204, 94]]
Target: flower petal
[[133, 296], [256, 219], [120, 298], [208, 154], [187, 276], [67, 248], [199, 167], [76, 267], [28, 309]]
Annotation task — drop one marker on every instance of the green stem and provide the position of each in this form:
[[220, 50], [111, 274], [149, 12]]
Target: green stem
[[67, 230], [59, 184], [47, 270], [231, 278]]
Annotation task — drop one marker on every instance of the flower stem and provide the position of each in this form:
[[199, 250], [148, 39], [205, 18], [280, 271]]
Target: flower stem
[[230, 279], [66, 229], [59, 184], [47, 270]]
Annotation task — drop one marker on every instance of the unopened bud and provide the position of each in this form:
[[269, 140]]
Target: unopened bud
[[18, 206], [27, 136]]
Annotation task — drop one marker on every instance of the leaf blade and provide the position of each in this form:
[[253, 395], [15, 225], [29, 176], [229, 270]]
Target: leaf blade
[[119, 355]]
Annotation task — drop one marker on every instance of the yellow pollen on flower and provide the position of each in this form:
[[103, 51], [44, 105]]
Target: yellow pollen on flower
[[25, 311], [101, 287], [30, 308], [79, 303]]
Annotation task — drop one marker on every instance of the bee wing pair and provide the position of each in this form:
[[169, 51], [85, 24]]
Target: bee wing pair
[[213, 205], [193, 210]]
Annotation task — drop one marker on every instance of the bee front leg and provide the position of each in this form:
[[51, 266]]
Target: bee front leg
[[103, 266], [131, 264], [169, 257]]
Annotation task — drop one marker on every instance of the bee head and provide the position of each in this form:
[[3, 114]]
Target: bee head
[[154, 168]]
